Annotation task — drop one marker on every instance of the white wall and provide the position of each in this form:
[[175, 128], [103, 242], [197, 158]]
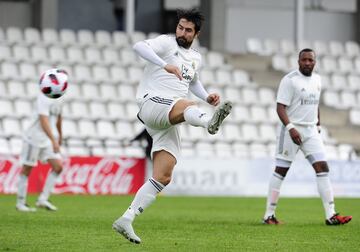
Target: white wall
[[236, 177], [16, 14], [242, 19]]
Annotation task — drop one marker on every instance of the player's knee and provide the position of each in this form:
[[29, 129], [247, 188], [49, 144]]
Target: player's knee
[[58, 168], [26, 170], [191, 103], [282, 171], [321, 166], [165, 179]]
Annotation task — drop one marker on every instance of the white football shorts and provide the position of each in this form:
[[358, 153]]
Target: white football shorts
[[312, 145], [154, 113], [30, 154]]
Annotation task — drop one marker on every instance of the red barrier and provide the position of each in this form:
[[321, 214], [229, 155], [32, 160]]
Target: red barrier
[[85, 175]]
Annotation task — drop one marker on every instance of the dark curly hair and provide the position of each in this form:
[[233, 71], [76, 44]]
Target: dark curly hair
[[193, 15]]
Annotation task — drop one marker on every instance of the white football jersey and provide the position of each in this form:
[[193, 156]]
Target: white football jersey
[[35, 135], [159, 82], [301, 95]]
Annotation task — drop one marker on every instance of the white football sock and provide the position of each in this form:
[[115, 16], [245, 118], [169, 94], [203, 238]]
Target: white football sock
[[326, 193], [143, 198], [273, 194], [49, 185], [22, 189], [195, 117]]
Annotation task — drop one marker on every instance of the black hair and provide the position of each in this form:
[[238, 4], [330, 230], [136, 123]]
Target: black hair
[[193, 15], [306, 50]]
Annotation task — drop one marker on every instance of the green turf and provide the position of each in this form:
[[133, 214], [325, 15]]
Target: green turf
[[83, 223]]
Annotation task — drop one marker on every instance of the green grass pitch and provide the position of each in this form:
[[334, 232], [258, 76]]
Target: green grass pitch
[[83, 223]]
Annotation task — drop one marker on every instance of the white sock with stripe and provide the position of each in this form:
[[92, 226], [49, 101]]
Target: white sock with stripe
[[195, 117], [326, 193], [273, 194], [22, 189], [48, 187], [143, 198]]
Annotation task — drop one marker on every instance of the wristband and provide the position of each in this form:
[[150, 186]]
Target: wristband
[[289, 126], [318, 128]]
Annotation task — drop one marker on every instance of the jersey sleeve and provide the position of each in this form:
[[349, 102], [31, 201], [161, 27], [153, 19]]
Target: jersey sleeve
[[160, 44], [197, 71], [43, 106], [285, 91]]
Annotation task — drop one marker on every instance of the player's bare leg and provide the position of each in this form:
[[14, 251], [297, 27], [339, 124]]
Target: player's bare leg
[[164, 164]]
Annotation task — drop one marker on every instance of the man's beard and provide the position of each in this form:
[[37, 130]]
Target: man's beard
[[306, 71], [183, 42]]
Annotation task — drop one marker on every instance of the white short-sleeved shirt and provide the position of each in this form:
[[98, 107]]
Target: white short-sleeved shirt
[[34, 134], [157, 81], [301, 95]]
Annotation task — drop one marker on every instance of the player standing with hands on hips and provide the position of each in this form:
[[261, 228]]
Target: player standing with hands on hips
[[298, 109], [172, 69]]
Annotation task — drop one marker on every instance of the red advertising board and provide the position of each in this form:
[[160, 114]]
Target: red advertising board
[[84, 175]]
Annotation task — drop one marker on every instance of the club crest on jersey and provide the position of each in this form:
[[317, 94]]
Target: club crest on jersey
[[187, 73]]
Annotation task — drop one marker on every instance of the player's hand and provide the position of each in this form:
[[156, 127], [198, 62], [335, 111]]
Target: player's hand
[[295, 136], [56, 146], [213, 99], [173, 70]]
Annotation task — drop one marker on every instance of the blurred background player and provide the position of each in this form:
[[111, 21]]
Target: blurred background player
[[172, 70], [42, 141], [298, 109]]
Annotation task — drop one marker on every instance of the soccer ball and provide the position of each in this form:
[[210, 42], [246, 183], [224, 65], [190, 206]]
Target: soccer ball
[[54, 82]]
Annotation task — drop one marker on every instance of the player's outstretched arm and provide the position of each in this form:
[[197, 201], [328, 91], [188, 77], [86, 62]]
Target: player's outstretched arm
[[145, 51], [197, 88]]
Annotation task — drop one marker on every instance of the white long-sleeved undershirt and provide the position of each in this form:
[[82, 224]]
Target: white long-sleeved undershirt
[[145, 51]]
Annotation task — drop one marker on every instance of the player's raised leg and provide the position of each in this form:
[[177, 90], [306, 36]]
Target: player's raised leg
[[188, 111], [218, 117]]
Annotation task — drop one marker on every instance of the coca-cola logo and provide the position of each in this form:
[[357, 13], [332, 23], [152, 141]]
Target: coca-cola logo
[[106, 176], [92, 175]]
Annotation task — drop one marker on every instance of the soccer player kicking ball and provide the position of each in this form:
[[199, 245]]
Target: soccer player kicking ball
[[298, 109], [42, 141], [172, 70]]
